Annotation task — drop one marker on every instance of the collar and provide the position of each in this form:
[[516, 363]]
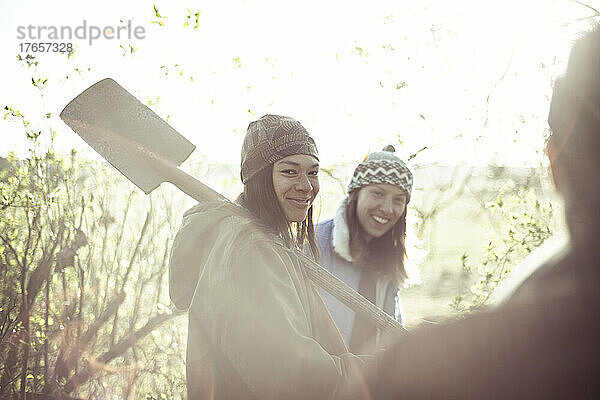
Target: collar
[[341, 234]]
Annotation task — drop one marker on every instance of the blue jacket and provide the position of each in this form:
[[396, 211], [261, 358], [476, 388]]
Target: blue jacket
[[332, 238]]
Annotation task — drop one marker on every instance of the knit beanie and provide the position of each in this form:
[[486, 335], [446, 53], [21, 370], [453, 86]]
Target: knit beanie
[[382, 167], [270, 139]]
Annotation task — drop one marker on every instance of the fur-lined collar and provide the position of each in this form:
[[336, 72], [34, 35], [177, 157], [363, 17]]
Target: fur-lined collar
[[341, 234]]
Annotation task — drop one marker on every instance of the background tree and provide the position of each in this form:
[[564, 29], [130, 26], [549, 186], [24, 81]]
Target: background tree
[[83, 261]]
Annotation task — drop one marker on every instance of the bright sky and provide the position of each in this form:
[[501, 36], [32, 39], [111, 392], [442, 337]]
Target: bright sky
[[359, 75]]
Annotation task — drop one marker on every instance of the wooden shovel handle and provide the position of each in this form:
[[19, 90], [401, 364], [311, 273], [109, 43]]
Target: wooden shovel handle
[[184, 181]]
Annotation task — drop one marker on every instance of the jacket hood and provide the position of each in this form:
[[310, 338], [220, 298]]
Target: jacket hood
[[200, 230]]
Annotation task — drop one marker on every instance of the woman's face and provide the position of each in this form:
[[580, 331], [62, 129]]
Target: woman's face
[[296, 182], [378, 208]]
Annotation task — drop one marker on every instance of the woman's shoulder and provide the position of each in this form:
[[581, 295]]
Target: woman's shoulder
[[207, 213], [324, 228], [217, 209], [323, 235], [218, 221]]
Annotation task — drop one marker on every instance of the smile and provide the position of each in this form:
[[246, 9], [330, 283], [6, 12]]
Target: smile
[[299, 203], [380, 220]]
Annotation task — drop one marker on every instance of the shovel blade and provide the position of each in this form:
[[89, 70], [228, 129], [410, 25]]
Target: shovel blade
[[124, 131]]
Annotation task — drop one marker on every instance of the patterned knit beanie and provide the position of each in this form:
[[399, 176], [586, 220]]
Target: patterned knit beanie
[[382, 167], [270, 139]]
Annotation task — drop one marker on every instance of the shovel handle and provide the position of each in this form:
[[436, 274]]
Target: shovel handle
[[184, 181], [193, 187]]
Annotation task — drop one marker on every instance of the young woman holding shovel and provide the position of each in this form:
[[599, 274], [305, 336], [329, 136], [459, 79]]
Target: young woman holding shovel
[[258, 329]]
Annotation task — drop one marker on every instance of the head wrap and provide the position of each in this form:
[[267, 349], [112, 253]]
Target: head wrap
[[382, 167], [270, 139]]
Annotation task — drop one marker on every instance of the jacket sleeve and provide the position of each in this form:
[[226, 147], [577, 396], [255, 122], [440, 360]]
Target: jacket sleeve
[[254, 306]]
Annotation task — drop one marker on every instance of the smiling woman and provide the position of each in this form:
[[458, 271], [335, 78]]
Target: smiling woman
[[257, 327], [279, 163], [378, 208], [296, 184], [364, 244]]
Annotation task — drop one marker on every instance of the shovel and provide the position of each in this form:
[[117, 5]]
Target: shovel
[[144, 148]]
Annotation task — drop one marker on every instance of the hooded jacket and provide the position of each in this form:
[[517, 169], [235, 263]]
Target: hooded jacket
[[257, 329], [334, 252]]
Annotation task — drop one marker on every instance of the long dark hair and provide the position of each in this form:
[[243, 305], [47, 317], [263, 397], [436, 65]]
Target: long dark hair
[[260, 199], [386, 252]]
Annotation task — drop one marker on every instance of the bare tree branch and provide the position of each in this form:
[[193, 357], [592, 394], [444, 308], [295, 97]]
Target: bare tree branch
[[596, 12], [117, 350]]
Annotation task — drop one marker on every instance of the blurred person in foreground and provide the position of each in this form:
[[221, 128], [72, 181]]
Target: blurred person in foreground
[[364, 245], [543, 343], [258, 328]]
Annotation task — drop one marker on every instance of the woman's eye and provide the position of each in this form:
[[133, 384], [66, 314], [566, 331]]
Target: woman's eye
[[288, 172], [314, 173]]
